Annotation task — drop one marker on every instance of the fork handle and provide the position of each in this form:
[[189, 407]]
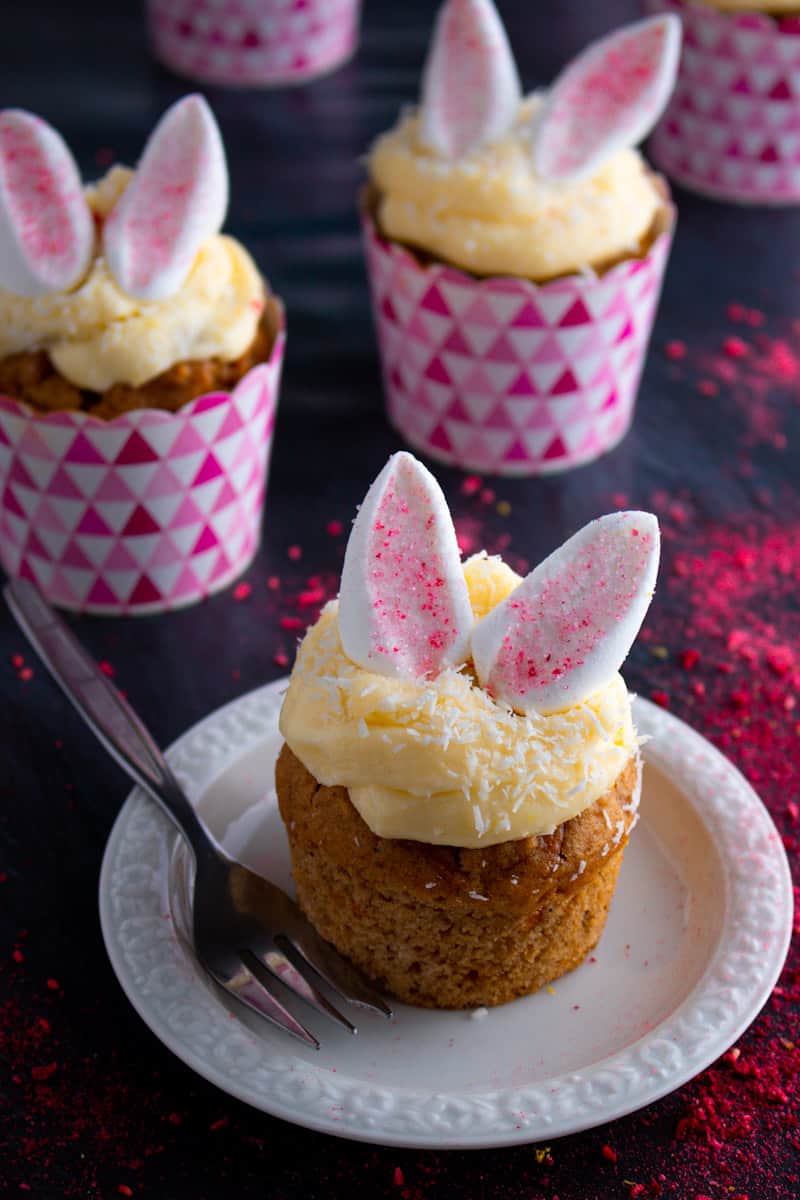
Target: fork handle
[[104, 709]]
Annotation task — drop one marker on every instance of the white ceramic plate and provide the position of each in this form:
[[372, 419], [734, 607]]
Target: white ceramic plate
[[696, 937]]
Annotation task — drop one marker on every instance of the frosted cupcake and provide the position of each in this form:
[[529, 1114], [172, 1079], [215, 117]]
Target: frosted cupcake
[[461, 771], [730, 130], [516, 246], [130, 298], [140, 356]]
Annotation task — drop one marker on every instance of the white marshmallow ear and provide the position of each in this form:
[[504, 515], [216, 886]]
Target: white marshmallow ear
[[608, 98], [470, 86], [404, 609], [46, 228], [567, 628], [177, 198]]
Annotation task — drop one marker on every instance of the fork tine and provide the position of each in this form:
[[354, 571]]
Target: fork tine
[[242, 984], [345, 979], [271, 958]]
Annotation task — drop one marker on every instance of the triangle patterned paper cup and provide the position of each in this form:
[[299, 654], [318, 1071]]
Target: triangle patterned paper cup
[[149, 512], [506, 376], [253, 43], [732, 127]]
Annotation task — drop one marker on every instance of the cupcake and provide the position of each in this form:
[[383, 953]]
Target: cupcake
[[140, 355], [516, 246], [730, 130], [253, 43], [461, 772]]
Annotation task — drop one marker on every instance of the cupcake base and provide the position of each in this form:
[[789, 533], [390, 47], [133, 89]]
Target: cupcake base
[[444, 927], [32, 379]]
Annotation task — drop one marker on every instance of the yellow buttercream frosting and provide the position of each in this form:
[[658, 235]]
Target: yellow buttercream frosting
[[438, 760], [97, 336], [490, 213]]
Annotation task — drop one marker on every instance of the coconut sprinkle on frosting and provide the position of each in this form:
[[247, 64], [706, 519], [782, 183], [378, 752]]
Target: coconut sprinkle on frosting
[[472, 772]]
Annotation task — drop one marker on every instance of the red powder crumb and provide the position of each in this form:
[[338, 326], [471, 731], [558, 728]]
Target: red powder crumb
[[734, 347], [295, 552], [17, 955], [675, 350], [222, 1123], [399, 1177], [311, 598], [471, 485], [106, 668], [608, 1153], [17, 661], [660, 698], [124, 1190], [175, 1118], [26, 674], [53, 985], [291, 623], [40, 1074], [242, 590], [689, 659], [273, 583], [281, 659], [334, 528], [707, 387]]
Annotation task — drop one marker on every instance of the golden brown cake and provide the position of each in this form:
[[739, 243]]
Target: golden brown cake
[[448, 927]]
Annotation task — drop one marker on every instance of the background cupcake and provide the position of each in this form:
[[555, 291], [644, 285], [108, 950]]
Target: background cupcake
[[140, 356], [730, 130], [253, 43], [516, 247]]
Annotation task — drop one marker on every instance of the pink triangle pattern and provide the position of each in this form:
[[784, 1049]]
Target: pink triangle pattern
[[471, 391], [285, 41], [735, 77], [114, 547]]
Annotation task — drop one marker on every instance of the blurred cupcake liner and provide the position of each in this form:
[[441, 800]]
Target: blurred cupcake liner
[[507, 376], [253, 43], [149, 512], [732, 127]]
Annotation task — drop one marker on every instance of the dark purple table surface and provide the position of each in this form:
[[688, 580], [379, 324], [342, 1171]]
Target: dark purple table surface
[[91, 1104]]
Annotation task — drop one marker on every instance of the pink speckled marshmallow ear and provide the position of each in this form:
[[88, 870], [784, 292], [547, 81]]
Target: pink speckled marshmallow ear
[[176, 199], [404, 609], [46, 228], [567, 628], [470, 86], [608, 98]]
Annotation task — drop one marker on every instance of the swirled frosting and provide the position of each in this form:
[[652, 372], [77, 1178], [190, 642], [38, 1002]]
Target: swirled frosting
[[97, 336], [490, 214], [438, 760]]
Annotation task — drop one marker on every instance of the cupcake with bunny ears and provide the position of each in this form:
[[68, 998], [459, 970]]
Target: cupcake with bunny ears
[[460, 771], [140, 356], [516, 246]]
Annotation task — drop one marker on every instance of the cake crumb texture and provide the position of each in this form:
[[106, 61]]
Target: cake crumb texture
[[447, 927]]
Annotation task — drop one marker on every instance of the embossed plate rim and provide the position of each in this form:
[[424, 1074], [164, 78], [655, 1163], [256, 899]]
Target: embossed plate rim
[[716, 1011]]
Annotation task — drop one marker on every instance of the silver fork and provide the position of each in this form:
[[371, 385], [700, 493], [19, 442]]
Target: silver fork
[[247, 932]]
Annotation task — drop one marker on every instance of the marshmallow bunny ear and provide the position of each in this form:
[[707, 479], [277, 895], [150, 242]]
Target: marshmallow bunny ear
[[470, 86], [404, 609], [609, 97], [46, 228], [567, 628], [176, 200]]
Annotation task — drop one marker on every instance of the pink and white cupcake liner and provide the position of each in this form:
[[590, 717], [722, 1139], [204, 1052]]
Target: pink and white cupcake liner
[[253, 43], [732, 128], [507, 376], [149, 512]]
